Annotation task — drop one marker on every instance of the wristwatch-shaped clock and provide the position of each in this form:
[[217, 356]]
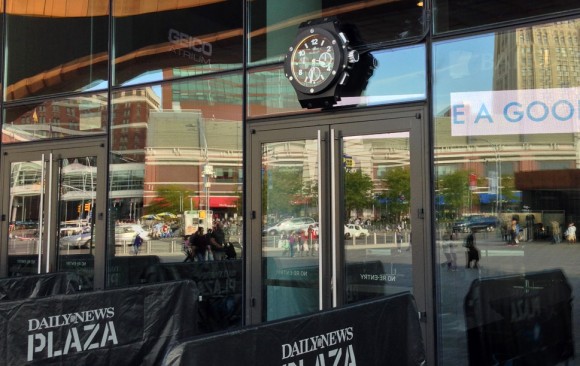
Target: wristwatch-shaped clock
[[318, 62]]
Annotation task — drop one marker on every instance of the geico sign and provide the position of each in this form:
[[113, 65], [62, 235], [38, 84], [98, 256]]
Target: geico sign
[[186, 41]]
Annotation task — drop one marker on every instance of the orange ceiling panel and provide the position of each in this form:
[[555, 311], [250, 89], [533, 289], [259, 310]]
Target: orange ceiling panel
[[76, 7], [84, 8], [35, 6], [166, 5]]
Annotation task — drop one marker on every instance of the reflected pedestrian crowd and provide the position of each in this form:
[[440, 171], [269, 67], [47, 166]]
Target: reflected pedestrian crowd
[[210, 246]]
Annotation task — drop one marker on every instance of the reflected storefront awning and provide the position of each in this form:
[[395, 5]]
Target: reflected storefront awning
[[220, 201]]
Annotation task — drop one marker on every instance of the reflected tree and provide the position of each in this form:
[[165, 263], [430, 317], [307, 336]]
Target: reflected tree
[[280, 187], [357, 191], [167, 199], [454, 189], [397, 181]]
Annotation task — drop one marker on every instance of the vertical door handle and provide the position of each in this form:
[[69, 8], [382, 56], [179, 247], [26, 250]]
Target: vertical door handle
[[41, 212], [333, 218], [49, 229]]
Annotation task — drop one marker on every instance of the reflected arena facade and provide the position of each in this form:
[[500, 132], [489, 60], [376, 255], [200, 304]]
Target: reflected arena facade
[[120, 113]]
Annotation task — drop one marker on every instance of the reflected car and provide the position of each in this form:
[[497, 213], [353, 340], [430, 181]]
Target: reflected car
[[289, 225], [358, 231], [348, 232], [476, 223], [125, 234], [76, 241]]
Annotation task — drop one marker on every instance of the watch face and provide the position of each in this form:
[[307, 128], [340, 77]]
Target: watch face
[[314, 61]]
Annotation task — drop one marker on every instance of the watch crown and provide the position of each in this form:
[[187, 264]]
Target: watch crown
[[353, 56], [344, 78]]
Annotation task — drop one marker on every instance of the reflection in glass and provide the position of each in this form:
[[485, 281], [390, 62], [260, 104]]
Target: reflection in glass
[[290, 247], [175, 165], [270, 92], [377, 233], [399, 77], [26, 209], [513, 188], [452, 15], [31, 234], [71, 56], [77, 197], [56, 119], [171, 40], [274, 24]]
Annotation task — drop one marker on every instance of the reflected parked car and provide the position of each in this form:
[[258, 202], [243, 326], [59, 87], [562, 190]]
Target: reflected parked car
[[76, 241], [348, 232], [289, 225], [125, 234], [358, 231], [476, 223]]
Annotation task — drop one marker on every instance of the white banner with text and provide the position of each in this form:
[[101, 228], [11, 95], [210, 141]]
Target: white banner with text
[[515, 112]]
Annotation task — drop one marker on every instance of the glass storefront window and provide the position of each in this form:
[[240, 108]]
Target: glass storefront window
[[274, 23], [164, 40], [452, 15], [175, 167], [56, 119], [399, 77], [506, 169], [55, 49]]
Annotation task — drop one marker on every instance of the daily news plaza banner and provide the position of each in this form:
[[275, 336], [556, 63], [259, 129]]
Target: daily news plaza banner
[[128, 326], [520, 320], [380, 332]]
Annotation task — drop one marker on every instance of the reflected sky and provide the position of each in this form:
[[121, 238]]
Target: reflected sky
[[459, 66]]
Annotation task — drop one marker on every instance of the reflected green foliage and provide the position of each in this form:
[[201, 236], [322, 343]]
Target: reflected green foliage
[[454, 188], [397, 181], [357, 191], [280, 189], [510, 200], [168, 199]]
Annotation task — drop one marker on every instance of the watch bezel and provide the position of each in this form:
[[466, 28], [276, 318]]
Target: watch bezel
[[339, 63]]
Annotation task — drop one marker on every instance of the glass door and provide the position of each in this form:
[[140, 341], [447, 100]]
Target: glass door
[[337, 211], [52, 209]]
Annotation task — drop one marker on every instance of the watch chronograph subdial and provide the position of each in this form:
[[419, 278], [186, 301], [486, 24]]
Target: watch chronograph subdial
[[326, 60], [314, 75]]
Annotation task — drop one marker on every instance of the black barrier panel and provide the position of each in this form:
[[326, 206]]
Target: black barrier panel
[[130, 270], [129, 326], [379, 332], [122, 271], [220, 290], [520, 320], [29, 287]]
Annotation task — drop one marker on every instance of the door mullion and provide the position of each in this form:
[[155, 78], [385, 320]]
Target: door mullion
[[321, 235]]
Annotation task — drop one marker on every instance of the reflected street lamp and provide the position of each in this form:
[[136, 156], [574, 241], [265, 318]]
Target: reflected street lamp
[[497, 179], [208, 173]]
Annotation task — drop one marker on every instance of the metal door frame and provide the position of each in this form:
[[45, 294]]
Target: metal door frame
[[57, 149], [416, 117]]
